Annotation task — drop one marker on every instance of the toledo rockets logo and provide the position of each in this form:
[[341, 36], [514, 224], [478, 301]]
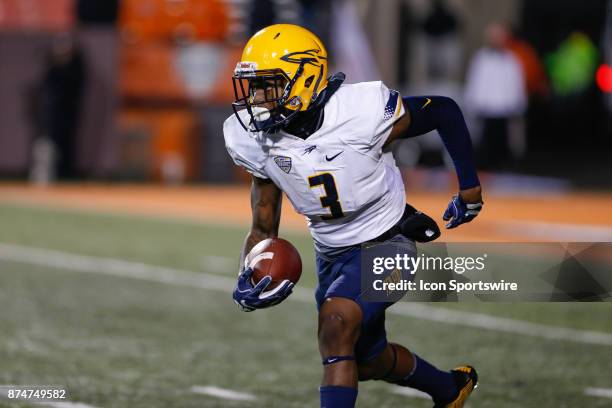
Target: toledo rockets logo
[[283, 162], [307, 57]]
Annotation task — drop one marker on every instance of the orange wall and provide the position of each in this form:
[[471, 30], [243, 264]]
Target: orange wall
[[155, 20], [54, 15], [153, 32], [171, 135]]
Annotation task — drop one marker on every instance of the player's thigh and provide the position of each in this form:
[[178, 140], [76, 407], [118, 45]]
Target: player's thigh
[[339, 325]]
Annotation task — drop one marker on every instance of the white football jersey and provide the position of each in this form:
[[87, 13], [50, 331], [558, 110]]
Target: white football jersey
[[339, 177]]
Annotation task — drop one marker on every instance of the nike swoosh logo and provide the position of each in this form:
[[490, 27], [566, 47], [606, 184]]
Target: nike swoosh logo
[[334, 156], [426, 103]]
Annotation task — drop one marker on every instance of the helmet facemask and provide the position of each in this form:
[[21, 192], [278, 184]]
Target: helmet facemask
[[264, 94]]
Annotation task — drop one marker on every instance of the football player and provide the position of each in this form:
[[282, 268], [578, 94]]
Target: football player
[[325, 145]]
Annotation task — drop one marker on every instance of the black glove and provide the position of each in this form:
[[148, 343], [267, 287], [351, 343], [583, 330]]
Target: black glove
[[419, 226]]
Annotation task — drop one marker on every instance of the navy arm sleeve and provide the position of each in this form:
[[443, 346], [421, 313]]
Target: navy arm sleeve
[[444, 115]]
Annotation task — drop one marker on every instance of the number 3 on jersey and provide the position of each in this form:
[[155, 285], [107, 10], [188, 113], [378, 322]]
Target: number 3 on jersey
[[330, 199]]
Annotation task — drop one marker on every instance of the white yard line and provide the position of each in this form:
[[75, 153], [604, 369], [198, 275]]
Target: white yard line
[[219, 263], [63, 404], [409, 392], [598, 392], [557, 232], [207, 281], [222, 393], [114, 267], [501, 324]]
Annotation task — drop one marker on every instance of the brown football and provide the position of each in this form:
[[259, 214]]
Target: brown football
[[275, 257]]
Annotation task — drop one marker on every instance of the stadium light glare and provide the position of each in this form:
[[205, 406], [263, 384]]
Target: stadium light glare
[[604, 78]]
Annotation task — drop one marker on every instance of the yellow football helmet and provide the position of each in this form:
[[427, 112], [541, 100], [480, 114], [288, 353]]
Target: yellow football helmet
[[281, 57]]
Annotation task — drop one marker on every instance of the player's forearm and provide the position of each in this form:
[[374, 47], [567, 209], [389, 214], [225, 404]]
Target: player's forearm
[[444, 115], [266, 200]]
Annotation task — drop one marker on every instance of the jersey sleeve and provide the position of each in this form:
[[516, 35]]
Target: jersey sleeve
[[243, 149], [387, 109], [371, 109]]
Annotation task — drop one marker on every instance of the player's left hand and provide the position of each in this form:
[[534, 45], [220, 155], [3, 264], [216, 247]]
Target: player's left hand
[[459, 211]]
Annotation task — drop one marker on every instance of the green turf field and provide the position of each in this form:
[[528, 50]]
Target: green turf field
[[117, 341]]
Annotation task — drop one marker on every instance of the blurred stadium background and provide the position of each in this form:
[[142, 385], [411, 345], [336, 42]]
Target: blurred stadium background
[[121, 215]]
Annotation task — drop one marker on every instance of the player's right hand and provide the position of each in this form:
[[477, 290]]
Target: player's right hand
[[251, 297]]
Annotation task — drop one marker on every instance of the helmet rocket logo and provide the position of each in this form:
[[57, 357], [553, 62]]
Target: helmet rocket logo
[[306, 57]]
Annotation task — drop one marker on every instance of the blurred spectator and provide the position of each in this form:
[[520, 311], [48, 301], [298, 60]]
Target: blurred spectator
[[57, 107], [572, 67], [495, 93], [443, 49], [536, 82], [546, 23], [349, 44], [537, 89], [569, 64]]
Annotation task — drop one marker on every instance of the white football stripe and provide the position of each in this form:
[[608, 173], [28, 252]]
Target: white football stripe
[[260, 257], [598, 392], [277, 288], [222, 393], [134, 270]]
